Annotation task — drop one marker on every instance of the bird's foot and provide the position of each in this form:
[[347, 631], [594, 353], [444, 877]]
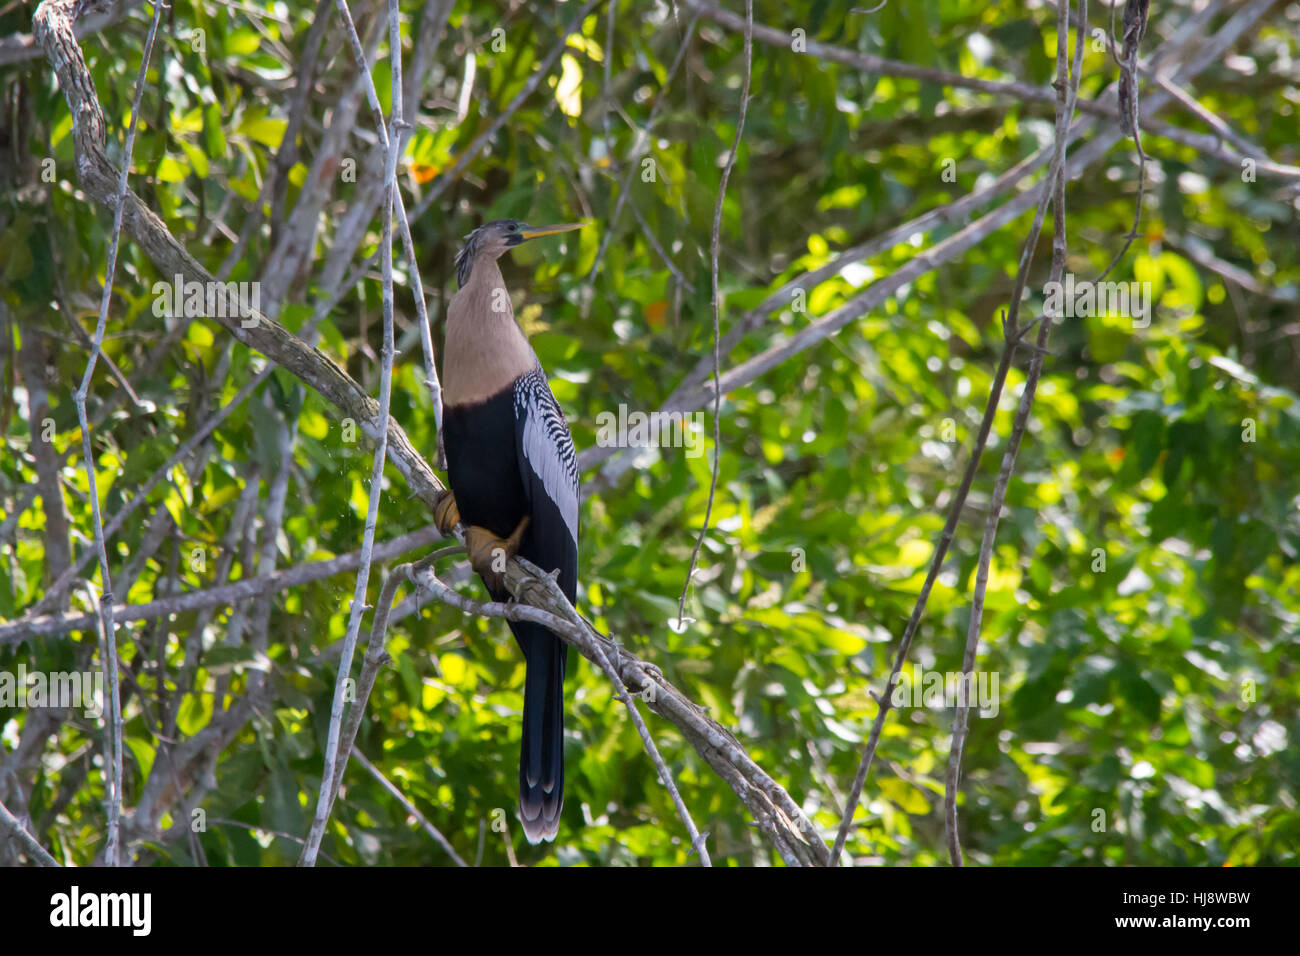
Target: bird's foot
[[488, 553], [445, 513]]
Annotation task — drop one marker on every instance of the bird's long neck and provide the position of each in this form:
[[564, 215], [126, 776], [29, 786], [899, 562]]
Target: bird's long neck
[[485, 350]]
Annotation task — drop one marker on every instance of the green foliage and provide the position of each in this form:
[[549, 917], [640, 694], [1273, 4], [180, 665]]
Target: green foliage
[[1143, 608]]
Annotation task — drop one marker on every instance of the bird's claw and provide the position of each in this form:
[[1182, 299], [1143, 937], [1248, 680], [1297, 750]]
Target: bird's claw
[[445, 513], [489, 553]]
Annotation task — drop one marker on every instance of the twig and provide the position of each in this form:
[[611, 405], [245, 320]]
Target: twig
[[1195, 250], [717, 306], [638, 147], [1067, 92], [275, 187], [410, 808], [392, 144], [1135, 25], [192, 762], [37, 853], [659, 249], [112, 724], [376, 656], [272, 524], [1013, 333], [375, 493], [220, 596], [452, 175], [647, 741], [944, 251], [113, 772], [254, 828], [778, 817]]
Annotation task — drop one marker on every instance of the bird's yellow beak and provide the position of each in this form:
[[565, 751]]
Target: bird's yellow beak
[[532, 232]]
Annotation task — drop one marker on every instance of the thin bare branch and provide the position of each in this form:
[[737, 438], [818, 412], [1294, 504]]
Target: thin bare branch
[[220, 596], [392, 200], [10, 825], [639, 146], [113, 771], [1013, 333], [647, 741], [778, 817], [1067, 93], [717, 308], [686, 398], [452, 175], [410, 808], [376, 656]]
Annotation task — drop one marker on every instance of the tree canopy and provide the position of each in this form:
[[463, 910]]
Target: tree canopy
[[1141, 601]]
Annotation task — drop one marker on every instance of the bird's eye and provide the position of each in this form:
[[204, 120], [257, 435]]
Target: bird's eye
[[514, 227]]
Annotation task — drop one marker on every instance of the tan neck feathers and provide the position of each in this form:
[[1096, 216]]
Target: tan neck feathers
[[485, 349]]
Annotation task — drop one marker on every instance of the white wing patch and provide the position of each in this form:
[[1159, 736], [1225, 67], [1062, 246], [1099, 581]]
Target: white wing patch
[[548, 446]]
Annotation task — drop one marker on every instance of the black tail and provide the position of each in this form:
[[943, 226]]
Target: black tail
[[541, 754]]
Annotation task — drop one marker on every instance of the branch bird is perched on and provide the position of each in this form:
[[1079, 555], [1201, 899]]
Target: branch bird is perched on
[[513, 478]]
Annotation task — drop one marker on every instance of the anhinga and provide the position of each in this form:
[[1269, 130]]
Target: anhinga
[[514, 481]]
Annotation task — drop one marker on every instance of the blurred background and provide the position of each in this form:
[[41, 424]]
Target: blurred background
[[1143, 605]]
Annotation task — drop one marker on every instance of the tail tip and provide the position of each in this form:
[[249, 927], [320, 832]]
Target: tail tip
[[542, 826]]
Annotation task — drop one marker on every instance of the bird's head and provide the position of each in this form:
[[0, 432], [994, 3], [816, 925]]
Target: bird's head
[[492, 239]]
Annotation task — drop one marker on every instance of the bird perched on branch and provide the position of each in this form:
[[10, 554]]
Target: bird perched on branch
[[513, 478]]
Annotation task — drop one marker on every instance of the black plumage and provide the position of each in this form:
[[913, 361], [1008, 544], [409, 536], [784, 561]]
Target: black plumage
[[496, 483]]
